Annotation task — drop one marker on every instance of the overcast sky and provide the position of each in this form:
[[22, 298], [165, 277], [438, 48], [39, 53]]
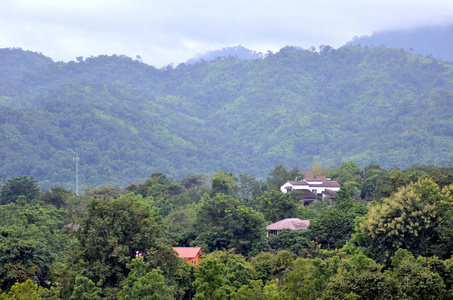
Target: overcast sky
[[168, 31]]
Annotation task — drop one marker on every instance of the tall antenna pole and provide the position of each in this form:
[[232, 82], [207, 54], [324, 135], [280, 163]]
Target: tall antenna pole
[[76, 159]]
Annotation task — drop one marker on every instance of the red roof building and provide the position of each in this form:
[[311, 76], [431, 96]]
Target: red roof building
[[191, 254]]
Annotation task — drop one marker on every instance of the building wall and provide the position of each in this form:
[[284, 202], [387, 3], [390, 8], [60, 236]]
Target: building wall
[[319, 189], [194, 260]]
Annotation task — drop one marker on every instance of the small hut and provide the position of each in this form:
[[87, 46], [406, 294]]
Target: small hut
[[190, 254], [291, 224]]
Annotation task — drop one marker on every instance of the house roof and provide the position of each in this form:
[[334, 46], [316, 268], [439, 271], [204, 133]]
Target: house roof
[[330, 194], [302, 182], [326, 184], [308, 175], [320, 177], [306, 194], [293, 224], [188, 252]]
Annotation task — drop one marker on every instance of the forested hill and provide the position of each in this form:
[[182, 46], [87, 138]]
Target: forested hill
[[126, 119]]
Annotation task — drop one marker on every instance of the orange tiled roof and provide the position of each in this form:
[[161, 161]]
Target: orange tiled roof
[[188, 252]]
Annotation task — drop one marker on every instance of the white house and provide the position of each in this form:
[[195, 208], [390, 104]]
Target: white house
[[317, 184]]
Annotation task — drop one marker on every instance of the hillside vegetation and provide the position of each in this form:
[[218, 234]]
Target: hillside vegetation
[[112, 243], [126, 120]]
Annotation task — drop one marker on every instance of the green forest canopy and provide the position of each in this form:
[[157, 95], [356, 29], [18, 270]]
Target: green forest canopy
[[126, 120], [112, 243]]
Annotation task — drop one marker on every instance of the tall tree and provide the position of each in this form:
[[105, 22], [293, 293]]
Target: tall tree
[[349, 175], [249, 187], [319, 169], [277, 206], [223, 222], [142, 284], [224, 183], [411, 219], [57, 196], [332, 228], [31, 240], [279, 175], [113, 233], [18, 186]]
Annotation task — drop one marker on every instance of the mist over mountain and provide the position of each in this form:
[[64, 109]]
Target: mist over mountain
[[126, 119], [239, 52], [435, 41]]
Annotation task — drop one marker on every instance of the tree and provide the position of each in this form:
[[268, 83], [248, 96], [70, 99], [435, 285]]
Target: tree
[[112, 234], [29, 291], [372, 178], [223, 222], [85, 289], [332, 228], [104, 192], [220, 274], [180, 224], [262, 265], [344, 201], [224, 183], [249, 187], [57, 196], [279, 175], [255, 289], [396, 180], [31, 240], [411, 219], [417, 278], [195, 181], [349, 175], [23, 185], [361, 278], [144, 188], [291, 240], [318, 169], [209, 280], [141, 284], [277, 206], [298, 281]]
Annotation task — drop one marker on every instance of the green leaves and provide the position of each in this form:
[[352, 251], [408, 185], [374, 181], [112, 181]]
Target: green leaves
[[223, 222], [141, 284], [15, 187], [277, 206], [111, 235], [29, 291], [411, 219], [31, 239], [124, 118]]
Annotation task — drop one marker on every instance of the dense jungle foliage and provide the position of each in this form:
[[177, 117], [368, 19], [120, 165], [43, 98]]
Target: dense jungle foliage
[[387, 236], [126, 120]]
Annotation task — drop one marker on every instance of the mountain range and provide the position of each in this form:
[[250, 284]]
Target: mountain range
[[126, 119]]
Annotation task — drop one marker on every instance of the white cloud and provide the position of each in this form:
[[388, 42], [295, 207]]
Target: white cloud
[[166, 31]]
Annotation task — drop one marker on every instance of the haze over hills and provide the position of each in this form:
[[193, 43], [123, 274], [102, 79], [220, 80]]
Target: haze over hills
[[435, 41], [237, 51], [126, 119]]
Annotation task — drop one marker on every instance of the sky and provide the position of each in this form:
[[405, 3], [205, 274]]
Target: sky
[[164, 32]]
